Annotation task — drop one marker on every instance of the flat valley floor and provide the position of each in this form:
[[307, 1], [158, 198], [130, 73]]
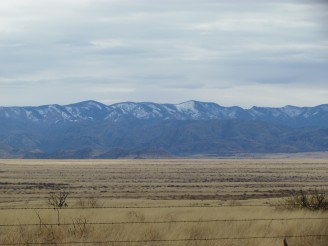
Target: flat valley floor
[[160, 202]]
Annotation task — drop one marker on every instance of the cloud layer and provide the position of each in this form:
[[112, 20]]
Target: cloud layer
[[254, 52]]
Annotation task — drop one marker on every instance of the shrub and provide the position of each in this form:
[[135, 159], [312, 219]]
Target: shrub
[[58, 200], [316, 200]]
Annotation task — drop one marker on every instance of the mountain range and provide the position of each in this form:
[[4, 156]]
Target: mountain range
[[150, 130]]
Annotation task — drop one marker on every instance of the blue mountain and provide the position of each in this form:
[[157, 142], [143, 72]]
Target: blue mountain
[[91, 129]]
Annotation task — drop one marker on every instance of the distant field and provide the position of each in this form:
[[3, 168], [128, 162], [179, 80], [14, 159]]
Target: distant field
[[161, 179], [182, 196]]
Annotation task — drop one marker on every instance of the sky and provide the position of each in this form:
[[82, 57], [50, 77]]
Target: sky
[[232, 52]]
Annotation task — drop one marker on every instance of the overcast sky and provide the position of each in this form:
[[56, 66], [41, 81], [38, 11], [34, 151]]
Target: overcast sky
[[232, 52]]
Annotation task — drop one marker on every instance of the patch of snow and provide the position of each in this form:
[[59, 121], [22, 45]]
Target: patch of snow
[[93, 104], [292, 111], [41, 112], [255, 112], [65, 116], [188, 110], [168, 109], [75, 112], [306, 115], [232, 115], [29, 114], [55, 108], [140, 113], [152, 106], [69, 109], [125, 107], [186, 107], [16, 111], [275, 112]]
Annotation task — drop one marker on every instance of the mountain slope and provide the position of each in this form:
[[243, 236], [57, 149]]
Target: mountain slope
[[142, 130], [191, 110]]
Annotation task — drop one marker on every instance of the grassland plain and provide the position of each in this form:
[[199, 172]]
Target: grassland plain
[[192, 200]]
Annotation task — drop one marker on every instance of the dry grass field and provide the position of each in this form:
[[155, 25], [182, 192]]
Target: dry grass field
[[115, 202]]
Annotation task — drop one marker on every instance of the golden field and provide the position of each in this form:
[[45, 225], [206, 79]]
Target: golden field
[[191, 200]]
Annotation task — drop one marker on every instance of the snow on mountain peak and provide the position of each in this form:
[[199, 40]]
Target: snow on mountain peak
[[92, 104], [190, 110], [125, 107], [292, 111], [186, 106], [88, 105]]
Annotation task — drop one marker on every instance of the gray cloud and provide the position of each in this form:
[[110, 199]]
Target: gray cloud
[[231, 52]]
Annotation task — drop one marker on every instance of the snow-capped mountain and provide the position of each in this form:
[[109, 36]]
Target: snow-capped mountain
[[191, 110], [149, 130]]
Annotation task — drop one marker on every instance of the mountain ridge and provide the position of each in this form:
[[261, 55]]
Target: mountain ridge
[[194, 110], [90, 129]]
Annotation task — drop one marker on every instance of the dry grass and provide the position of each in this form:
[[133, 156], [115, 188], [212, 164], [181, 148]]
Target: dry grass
[[79, 231], [150, 182], [162, 179]]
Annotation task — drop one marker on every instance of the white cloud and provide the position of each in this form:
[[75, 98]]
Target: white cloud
[[120, 50], [107, 43], [109, 90]]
